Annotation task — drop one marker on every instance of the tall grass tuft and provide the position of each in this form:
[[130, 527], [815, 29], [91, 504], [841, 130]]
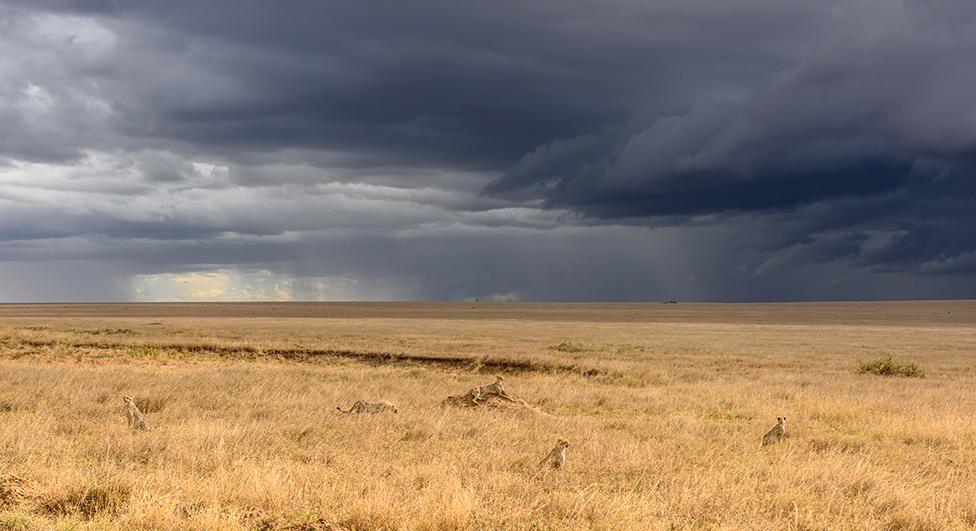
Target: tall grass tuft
[[88, 500]]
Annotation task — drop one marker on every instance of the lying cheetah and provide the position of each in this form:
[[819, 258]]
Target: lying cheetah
[[776, 433], [557, 456], [137, 420], [362, 406], [485, 390]]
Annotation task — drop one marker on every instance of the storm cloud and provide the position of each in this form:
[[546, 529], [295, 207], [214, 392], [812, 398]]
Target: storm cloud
[[430, 150]]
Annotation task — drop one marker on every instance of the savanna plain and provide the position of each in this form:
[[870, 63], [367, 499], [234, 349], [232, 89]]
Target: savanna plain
[[664, 407]]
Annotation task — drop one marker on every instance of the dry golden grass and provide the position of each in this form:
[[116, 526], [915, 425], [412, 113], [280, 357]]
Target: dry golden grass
[[664, 413]]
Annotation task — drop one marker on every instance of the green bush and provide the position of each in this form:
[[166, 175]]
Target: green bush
[[888, 367]]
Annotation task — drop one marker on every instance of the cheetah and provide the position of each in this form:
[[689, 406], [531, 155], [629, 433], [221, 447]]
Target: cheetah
[[362, 406], [496, 388], [557, 456], [137, 421], [776, 433]]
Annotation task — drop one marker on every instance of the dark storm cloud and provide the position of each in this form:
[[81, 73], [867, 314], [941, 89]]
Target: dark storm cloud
[[421, 83], [831, 137]]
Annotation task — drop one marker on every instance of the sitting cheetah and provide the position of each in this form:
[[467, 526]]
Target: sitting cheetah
[[557, 456], [137, 420], [776, 433]]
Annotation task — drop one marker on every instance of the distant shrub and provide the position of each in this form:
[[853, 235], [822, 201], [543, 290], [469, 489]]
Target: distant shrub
[[566, 346], [888, 367], [112, 332], [144, 351]]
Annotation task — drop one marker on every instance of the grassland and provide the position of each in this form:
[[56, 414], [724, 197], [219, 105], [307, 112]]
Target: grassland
[[664, 406]]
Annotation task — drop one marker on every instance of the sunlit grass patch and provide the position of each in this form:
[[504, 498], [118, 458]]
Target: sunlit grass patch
[[16, 522]]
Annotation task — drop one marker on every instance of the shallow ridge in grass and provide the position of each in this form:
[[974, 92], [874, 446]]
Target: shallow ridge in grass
[[473, 363]]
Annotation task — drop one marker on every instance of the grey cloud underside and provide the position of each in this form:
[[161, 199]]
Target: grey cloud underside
[[823, 145]]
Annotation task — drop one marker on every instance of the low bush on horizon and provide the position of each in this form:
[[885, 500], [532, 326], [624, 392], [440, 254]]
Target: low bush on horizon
[[887, 366]]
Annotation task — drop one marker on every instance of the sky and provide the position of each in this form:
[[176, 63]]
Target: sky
[[750, 150]]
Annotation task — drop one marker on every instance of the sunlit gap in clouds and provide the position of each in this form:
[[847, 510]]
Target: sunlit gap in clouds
[[222, 285]]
